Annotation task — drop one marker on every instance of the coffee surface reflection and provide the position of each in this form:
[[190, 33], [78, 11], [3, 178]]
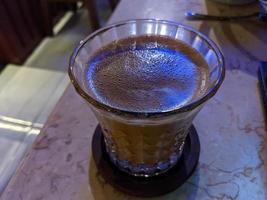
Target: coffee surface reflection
[[147, 74]]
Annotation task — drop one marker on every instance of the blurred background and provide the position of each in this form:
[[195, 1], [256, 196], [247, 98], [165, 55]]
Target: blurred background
[[36, 40]]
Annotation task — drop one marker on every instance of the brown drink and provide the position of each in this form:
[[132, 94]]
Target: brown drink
[[146, 74]]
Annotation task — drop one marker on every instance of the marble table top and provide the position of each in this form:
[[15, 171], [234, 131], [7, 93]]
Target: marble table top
[[231, 127]]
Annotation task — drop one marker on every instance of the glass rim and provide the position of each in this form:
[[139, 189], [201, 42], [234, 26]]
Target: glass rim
[[185, 108]]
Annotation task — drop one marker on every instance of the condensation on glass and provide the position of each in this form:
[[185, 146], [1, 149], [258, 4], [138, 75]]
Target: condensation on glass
[[145, 144]]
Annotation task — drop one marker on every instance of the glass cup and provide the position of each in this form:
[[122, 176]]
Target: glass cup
[[140, 143]]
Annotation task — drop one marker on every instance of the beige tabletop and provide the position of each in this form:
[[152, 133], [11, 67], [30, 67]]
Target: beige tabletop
[[233, 159]]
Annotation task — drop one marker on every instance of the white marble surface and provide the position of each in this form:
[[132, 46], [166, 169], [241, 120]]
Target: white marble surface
[[233, 159], [233, 155], [26, 99], [28, 93]]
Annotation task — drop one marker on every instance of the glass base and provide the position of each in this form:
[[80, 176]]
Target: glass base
[[143, 170], [151, 186]]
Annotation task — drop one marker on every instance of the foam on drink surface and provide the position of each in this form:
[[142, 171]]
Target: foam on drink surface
[[147, 74]]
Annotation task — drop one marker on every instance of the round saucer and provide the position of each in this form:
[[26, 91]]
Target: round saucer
[[152, 186]]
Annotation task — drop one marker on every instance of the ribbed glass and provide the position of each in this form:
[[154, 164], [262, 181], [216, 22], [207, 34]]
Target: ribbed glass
[[139, 143]]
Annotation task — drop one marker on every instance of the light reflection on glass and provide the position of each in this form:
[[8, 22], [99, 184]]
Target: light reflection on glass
[[163, 30], [197, 43], [149, 28], [133, 30]]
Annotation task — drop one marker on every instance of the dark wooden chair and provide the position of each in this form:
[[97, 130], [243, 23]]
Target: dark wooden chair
[[24, 25], [113, 3], [89, 4], [21, 29]]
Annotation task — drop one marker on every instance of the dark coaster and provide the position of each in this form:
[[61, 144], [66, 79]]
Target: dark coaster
[[153, 186]]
